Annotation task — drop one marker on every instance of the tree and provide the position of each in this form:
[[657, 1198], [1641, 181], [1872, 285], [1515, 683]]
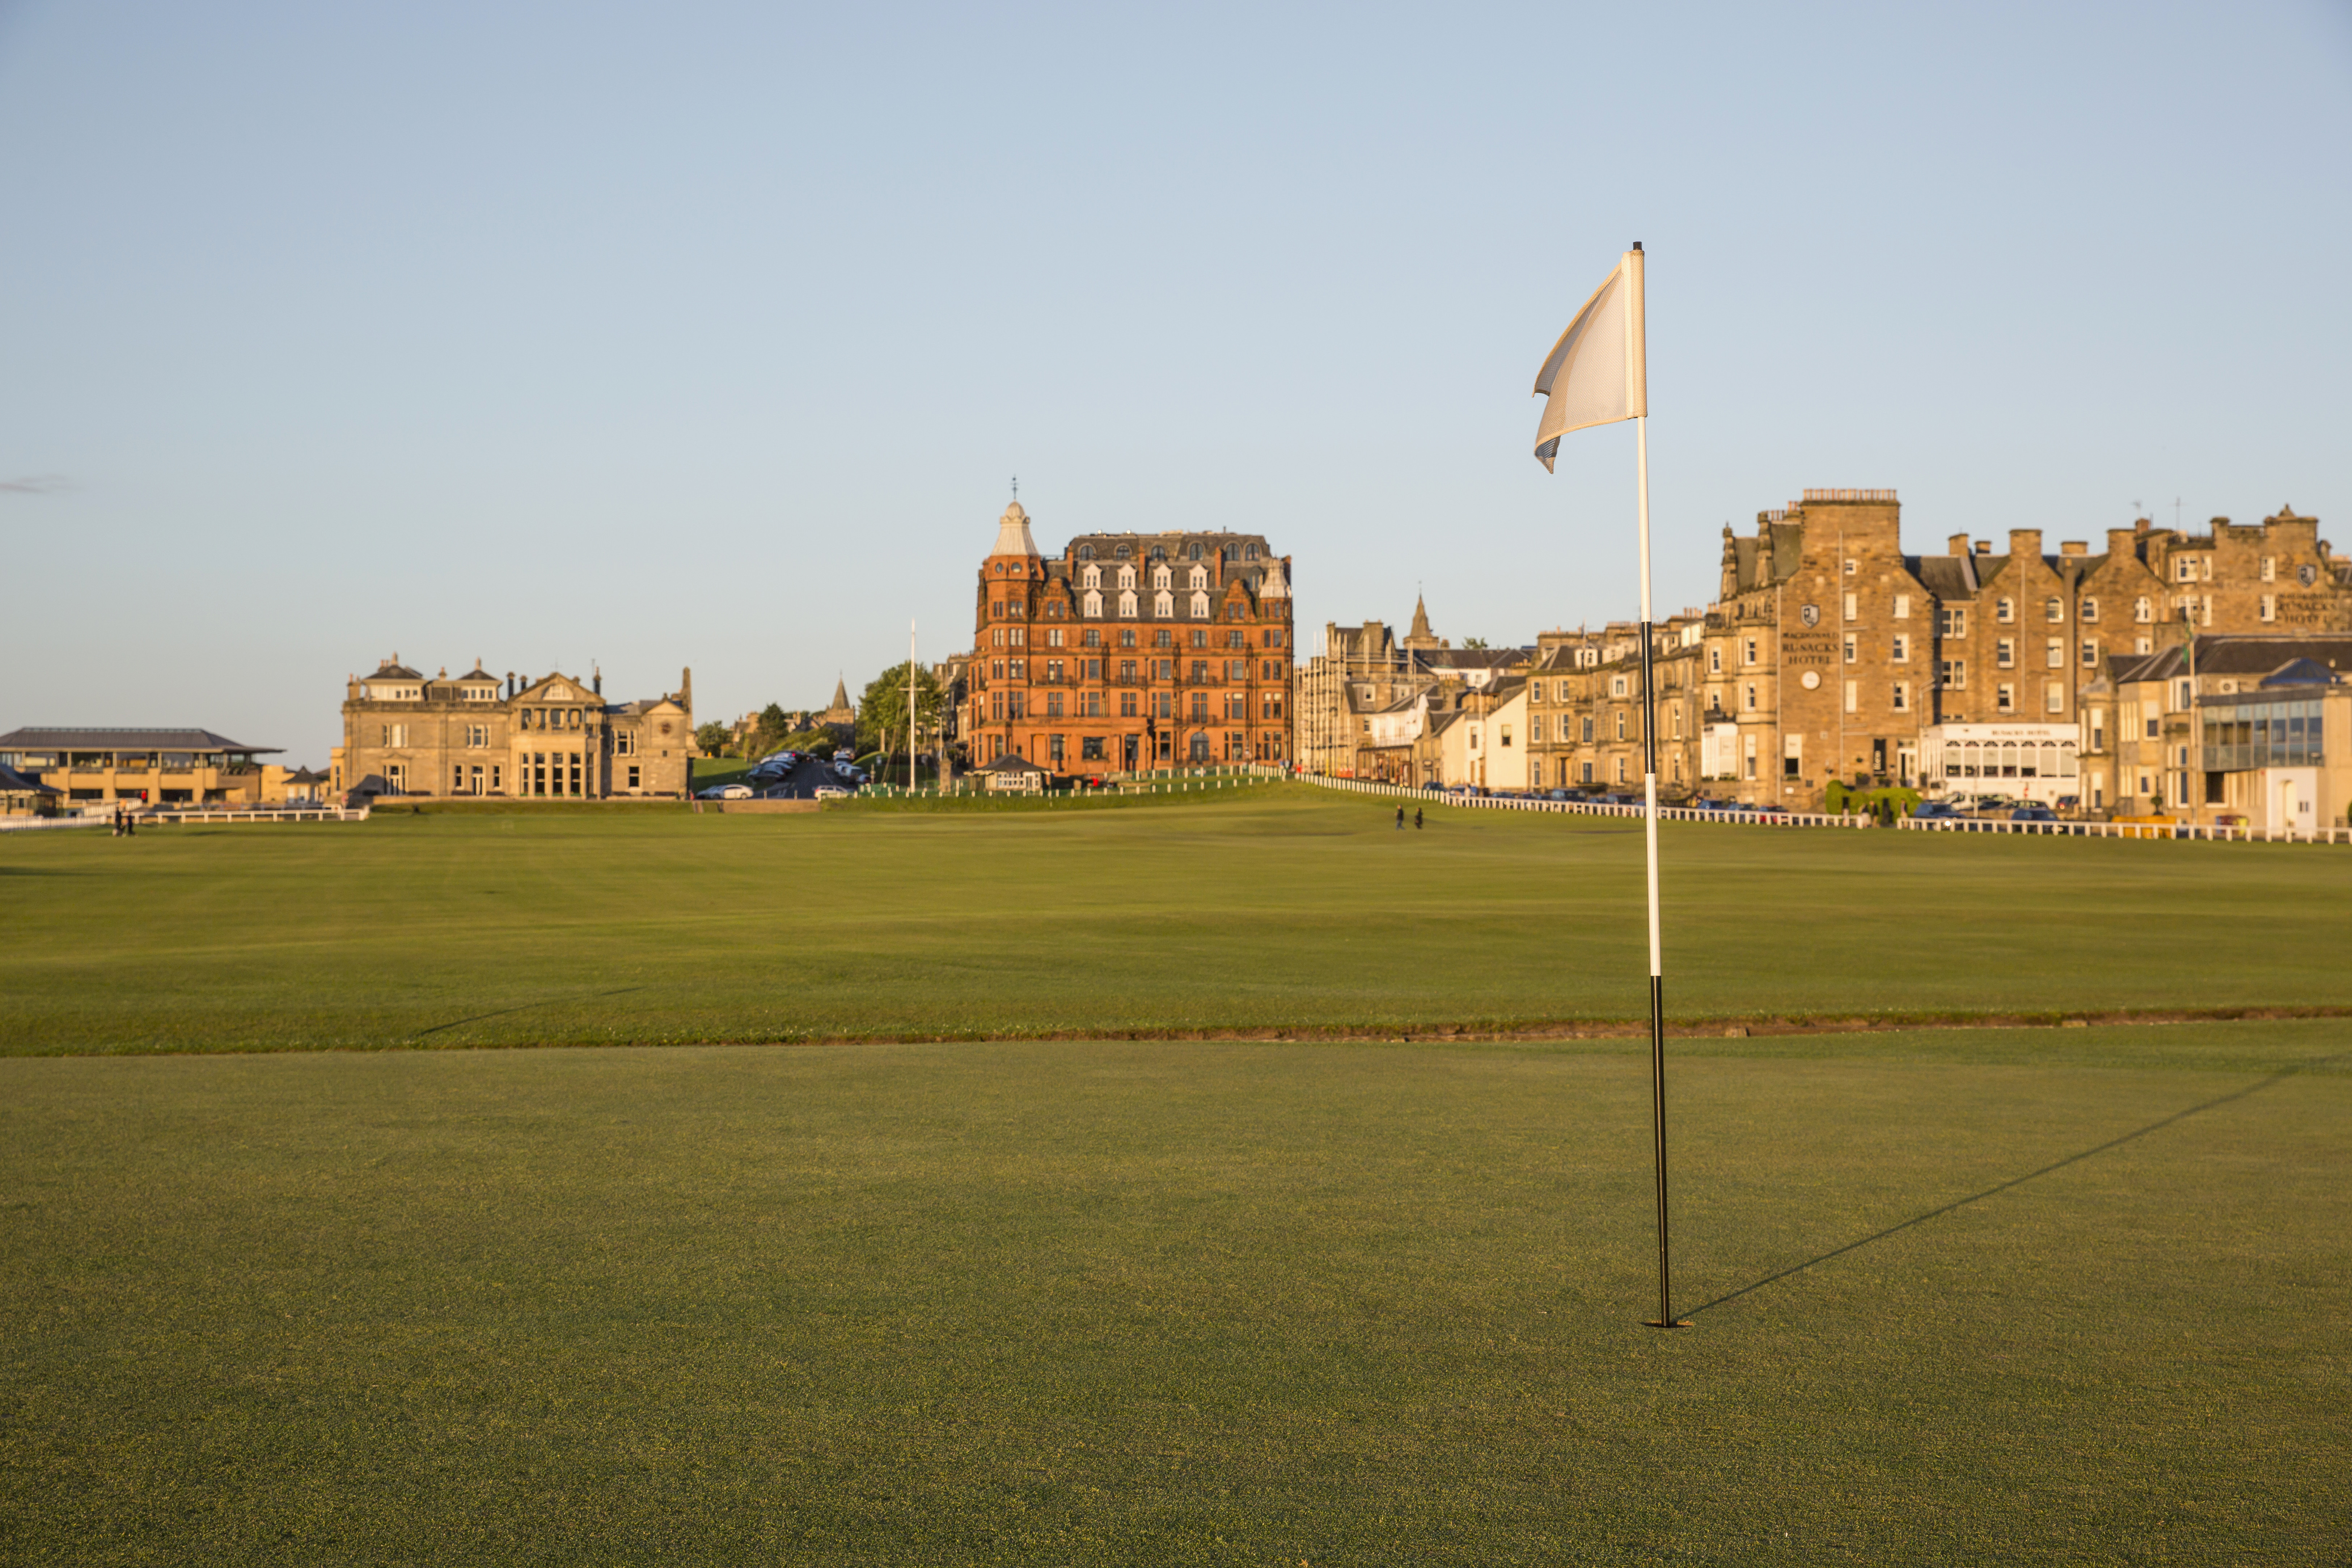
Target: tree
[[1473, 642], [712, 738], [882, 712]]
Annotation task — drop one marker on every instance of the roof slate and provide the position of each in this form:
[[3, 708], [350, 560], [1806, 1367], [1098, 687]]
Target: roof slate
[[76, 740]]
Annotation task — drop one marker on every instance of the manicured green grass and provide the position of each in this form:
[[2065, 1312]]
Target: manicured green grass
[[1179, 1302], [1262, 908]]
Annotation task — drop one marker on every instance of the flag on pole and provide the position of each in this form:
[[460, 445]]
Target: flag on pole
[[1597, 373]]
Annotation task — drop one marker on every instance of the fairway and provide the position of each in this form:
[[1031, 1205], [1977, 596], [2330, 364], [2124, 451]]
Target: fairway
[[1264, 910], [1183, 1302]]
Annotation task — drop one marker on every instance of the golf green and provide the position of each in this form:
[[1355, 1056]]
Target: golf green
[[1958, 1296], [1261, 908]]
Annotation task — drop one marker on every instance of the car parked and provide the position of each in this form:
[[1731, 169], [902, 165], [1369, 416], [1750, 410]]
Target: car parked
[[2033, 811], [1936, 809], [830, 792], [727, 791]]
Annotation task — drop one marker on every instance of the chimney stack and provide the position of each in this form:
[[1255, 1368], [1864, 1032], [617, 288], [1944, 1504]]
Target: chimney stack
[[1959, 545], [2124, 542], [2025, 541], [2074, 547], [1984, 546]]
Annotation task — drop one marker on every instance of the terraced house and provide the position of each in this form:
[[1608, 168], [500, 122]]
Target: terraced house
[[1129, 650], [537, 737], [1832, 655]]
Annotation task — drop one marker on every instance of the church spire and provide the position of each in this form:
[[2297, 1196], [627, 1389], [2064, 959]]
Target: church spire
[[1420, 619]]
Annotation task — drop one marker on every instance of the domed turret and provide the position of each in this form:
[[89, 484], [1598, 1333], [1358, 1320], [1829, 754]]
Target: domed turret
[[1012, 533]]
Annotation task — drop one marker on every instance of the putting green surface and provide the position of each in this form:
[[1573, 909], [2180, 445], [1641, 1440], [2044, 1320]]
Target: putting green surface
[[1182, 1302], [1262, 908]]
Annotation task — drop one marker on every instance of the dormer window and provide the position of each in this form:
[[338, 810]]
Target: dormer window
[[1086, 552]]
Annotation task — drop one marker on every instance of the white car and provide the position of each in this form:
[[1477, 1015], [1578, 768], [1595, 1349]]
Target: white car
[[727, 791], [830, 792]]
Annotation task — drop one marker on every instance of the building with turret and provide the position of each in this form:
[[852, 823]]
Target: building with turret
[[1129, 650]]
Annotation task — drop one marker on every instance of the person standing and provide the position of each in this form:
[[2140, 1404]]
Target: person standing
[[1416, 819], [1400, 819]]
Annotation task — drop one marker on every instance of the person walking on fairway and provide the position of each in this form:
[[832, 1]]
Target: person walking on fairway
[[1400, 819], [1416, 819]]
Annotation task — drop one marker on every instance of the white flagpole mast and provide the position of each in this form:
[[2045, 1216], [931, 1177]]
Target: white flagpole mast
[[1636, 366], [911, 708]]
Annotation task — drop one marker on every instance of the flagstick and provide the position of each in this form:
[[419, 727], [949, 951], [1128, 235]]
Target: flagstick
[[1665, 1318]]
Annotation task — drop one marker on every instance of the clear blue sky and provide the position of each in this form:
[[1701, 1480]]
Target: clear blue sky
[[709, 334]]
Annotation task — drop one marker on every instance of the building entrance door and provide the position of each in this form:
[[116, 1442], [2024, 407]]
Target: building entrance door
[[1126, 744], [1907, 766]]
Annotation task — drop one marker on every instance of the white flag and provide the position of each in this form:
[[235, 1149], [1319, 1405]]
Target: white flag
[[1596, 373]]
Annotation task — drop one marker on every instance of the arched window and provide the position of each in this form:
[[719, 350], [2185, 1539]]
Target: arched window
[[1194, 552], [1159, 552], [1086, 552], [1124, 551], [1249, 552], [2053, 610]]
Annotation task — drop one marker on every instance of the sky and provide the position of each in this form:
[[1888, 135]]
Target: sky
[[713, 335]]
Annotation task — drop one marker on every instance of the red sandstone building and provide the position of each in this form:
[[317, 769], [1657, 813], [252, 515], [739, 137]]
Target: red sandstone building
[[1131, 650]]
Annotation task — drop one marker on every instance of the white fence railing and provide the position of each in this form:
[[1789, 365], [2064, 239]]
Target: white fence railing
[[193, 814], [1767, 818], [1770, 818]]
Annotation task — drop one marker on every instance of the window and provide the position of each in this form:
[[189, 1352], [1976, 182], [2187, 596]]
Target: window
[[1616, 686], [2090, 611], [1506, 733], [2004, 698], [1853, 567], [2143, 611], [1952, 621], [1902, 695], [1902, 607], [2004, 653], [1200, 606], [632, 779], [1714, 662], [1749, 651], [1621, 726], [1853, 696], [2184, 570], [1676, 714], [1199, 639], [2053, 654], [1237, 639], [1127, 636], [1953, 674], [1902, 648], [1853, 606], [1853, 649], [2053, 696], [1534, 729], [2004, 611], [2053, 611], [1093, 606], [1747, 697], [2270, 606], [1620, 769], [1054, 638], [2090, 654], [2270, 568]]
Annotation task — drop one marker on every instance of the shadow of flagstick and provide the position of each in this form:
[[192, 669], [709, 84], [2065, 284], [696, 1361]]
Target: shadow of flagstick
[[523, 1008], [2255, 1088]]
